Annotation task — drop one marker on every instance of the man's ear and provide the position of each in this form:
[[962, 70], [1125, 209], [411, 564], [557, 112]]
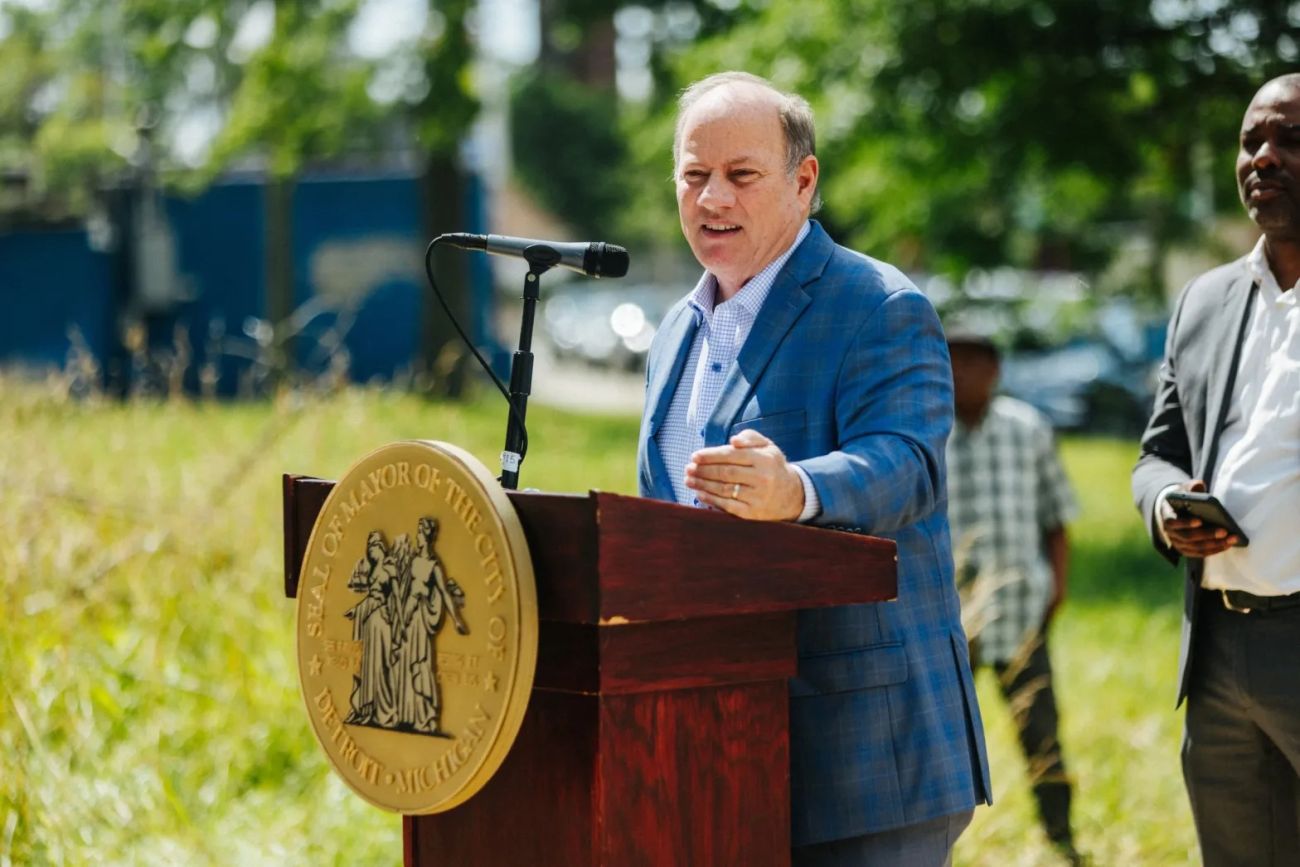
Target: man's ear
[[806, 176]]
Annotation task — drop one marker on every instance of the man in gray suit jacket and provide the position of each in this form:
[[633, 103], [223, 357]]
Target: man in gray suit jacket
[[1227, 420]]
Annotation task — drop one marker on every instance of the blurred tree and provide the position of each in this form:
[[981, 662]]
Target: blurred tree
[[305, 97], [567, 117], [98, 93], [300, 96], [961, 133], [27, 67], [87, 78], [559, 131], [442, 111]]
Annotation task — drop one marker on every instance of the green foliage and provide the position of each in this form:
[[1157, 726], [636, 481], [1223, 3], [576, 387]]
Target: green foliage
[[89, 79], [301, 96], [613, 157], [448, 106], [650, 212], [94, 91], [27, 67], [567, 148], [75, 155], [965, 133]]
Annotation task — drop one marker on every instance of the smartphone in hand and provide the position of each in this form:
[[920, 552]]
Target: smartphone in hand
[[1197, 504]]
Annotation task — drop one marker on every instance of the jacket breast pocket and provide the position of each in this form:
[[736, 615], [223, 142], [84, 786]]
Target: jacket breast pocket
[[775, 426], [850, 670]]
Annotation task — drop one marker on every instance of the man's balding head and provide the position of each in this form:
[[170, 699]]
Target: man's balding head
[[745, 175], [1288, 83], [792, 110]]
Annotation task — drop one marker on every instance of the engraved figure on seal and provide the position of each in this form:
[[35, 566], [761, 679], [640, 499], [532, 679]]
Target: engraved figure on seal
[[432, 596], [407, 595], [373, 619]]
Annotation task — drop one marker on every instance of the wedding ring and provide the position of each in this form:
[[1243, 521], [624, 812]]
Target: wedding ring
[[735, 491]]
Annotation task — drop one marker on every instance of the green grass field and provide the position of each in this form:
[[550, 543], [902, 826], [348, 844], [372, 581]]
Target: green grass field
[[149, 709], [1115, 656]]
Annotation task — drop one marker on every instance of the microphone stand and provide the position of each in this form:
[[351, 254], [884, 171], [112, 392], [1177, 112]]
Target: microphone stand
[[540, 259]]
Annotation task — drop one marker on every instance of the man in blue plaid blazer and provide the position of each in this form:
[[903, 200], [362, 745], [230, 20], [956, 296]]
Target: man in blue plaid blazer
[[803, 381]]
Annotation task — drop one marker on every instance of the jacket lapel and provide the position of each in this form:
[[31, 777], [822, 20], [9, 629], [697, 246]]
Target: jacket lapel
[[1224, 358], [678, 334], [782, 308]]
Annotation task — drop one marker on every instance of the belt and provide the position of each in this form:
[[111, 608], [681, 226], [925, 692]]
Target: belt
[[1241, 602]]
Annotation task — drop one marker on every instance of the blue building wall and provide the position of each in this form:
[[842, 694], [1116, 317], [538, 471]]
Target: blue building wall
[[357, 247], [50, 284], [221, 256], [373, 229]]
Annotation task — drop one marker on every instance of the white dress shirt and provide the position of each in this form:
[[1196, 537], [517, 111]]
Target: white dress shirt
[[1258, 472], [721, 333]]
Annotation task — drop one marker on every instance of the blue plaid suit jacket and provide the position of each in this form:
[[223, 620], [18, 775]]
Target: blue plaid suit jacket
[[846, 369]]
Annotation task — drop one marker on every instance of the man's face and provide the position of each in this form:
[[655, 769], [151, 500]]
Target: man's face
[[1268, 164], [739, 207], [974, 378]]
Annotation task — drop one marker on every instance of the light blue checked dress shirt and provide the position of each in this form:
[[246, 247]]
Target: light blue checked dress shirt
[[720, 334]]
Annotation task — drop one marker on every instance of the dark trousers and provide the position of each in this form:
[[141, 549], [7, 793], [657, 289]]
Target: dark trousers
[[1026, 684], [1241, 746], [925, 844]]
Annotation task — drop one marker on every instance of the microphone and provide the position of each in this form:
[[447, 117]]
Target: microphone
[[595, 259]]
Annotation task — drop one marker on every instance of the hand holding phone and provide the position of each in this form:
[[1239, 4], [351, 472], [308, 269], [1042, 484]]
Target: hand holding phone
[[1206, 507]]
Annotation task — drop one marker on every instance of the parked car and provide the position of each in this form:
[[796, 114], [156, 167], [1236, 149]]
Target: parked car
[[606, 327], [1085, 385]]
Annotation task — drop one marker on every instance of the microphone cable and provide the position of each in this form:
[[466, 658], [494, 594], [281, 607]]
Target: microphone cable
[[501, 386]]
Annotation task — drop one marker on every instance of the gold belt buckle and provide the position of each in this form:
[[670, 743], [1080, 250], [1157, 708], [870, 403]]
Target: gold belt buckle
[[1227, 603]]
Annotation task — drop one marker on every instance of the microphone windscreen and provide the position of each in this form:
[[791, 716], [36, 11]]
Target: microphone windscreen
[[605, 260]]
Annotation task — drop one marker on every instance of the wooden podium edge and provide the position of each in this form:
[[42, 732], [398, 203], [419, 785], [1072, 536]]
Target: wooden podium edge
[[621, 546], [304, 497]]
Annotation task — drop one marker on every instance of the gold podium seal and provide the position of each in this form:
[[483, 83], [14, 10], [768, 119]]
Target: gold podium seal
[[417, 626]]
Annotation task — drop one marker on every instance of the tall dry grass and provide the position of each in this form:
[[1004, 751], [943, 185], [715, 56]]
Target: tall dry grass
[[149, 708], [149, 711]]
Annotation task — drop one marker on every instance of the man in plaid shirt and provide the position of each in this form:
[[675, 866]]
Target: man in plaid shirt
[[1008, 504]]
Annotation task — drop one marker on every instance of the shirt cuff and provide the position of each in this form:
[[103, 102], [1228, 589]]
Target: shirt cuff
[[1159, 507], [812, 506]]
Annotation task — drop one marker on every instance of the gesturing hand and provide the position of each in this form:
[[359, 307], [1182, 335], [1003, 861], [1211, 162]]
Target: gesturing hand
[[749, 477], [1190, 536]]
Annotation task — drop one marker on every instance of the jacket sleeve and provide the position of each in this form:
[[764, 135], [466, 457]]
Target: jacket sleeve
[[893, 414], [1165, 456]]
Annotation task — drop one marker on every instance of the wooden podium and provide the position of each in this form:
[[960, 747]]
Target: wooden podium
[[657, 731]]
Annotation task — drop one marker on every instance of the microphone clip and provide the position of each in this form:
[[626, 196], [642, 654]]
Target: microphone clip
[[541, 258]]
